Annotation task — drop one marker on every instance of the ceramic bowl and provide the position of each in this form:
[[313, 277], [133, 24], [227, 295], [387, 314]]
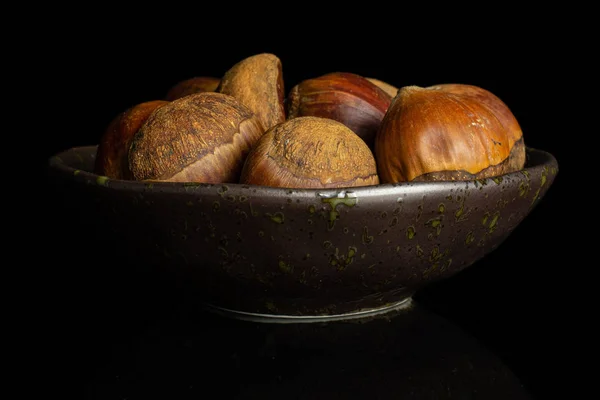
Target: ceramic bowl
[[264, 252]]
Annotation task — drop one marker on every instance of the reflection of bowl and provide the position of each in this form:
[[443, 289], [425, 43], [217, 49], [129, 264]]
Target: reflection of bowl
[[299, 253]]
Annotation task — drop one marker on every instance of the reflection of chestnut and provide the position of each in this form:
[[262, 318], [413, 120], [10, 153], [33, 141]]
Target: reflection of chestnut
[[257, 82], [345, 97], [111, 156], [202, 137], [449, 133], [310, 152], [196, 84]]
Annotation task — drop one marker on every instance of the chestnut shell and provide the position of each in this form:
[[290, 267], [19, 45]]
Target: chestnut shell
[[113, 149], [435, 134], [257, 82], [345, 97], [310, 152], [202, 137]]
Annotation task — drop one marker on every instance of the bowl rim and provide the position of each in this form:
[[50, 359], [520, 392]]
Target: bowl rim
[[536, 159]]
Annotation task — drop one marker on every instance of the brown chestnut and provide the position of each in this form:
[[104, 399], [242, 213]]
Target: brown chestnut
[[202, 137], [342, 96], [257, 82], [437, 134], [389, 89], [111, 156], [310, 152], [197, 84], [503, 113]]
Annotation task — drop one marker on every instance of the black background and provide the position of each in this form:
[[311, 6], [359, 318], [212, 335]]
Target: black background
[[513, 301]]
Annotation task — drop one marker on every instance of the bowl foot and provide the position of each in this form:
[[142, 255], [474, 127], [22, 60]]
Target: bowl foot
[[403, 304]]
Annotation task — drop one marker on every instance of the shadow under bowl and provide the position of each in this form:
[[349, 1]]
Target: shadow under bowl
[[293, 255]]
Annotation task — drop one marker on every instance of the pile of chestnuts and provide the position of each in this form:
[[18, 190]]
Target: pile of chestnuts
[[336, 130]]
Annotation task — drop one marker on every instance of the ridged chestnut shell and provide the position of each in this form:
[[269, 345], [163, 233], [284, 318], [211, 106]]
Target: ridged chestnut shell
[[310, 152], [345, 97], [447, 132], [202, 137], [502, 112]]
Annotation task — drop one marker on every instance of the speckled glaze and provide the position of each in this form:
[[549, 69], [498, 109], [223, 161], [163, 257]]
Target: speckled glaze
[[307, 252]]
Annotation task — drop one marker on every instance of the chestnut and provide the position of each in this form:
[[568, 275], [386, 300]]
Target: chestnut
[[202, 137], [257, 82], [447, 133], [111, 156], [389, 89], [310, 152], [342, 96], [197, 84], [502, 112]]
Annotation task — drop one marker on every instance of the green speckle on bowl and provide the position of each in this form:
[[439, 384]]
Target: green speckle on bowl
[[341, 261], [436, 223], [492, 226], [366, 238], [542, 183], [523, 189], [277, 217], [419, 251], [470, 237], [191, 186], [419, 212], [436, 255], [543, 179], [334, 202], [285, 267], [222, 190], [102, 180]]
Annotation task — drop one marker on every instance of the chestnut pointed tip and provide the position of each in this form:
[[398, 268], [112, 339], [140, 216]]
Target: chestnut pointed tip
[[410, 89], [391, 90], [257, 81]]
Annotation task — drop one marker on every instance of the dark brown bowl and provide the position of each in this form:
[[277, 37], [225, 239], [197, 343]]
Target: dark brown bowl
[[260, 252]]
